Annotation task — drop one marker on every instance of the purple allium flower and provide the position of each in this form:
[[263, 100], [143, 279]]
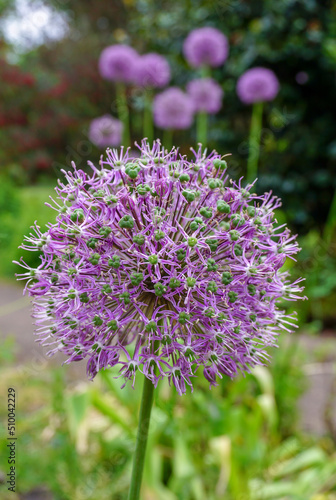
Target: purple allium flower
[[257, 85], [206, 95], [158, 264], [105, 131], [173, 109], [152, 70], [206, 47], [118, 63]]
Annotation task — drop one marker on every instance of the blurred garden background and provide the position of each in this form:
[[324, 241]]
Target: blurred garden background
[[270, 435]]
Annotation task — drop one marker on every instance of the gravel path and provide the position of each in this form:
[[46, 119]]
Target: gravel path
[[15, 320]]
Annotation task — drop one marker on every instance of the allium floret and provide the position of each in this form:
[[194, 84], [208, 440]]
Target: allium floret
[[158, 281]]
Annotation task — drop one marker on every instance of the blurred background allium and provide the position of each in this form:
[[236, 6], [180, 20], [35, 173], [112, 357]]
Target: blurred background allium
[[173, 109], [105, 131], [66, 64], [257, 85], [118, 63], [206, 47], [206, 95], [152, 71]]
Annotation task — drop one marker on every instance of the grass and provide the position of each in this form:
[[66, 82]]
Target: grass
[[16, 223]]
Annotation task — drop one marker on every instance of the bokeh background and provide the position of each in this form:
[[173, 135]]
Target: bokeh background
[[270, 435]]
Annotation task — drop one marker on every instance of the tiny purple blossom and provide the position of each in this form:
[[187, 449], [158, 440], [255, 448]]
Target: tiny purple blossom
[[105, 131], [206, 95], [118, 63], [206, 47], [156, 264], [173, 109], [257, 85], [152, 70]]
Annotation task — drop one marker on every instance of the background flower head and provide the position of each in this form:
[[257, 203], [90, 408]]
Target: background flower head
[[105, 131], [118, 63], [206, 95], [156, 264], [152, 70], [173, 109], [257, 85], [206, 47]]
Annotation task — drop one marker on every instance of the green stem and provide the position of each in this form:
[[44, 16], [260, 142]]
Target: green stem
[[123, 113], [202, 125], [254, 141], [141, 442], [148, 129], [330, 224], [168, 138]]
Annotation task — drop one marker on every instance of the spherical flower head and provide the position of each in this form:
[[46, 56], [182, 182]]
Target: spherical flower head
[[206, 95], [206, 47], [257, 85], [152, 70], [170, 272], [105, 131], [118, 63], [173, 109]]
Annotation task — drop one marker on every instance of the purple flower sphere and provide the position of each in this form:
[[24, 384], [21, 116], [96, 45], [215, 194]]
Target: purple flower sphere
[[118, 63], [173, 109], [257, 85], [152, 70], [206, 95], [105, 131], [156, 264], [206, 47]]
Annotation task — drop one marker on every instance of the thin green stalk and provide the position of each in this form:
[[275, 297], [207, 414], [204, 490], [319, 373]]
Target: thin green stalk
[[141, 442], [148, 129], [202, 126], [123, 113], [330, 224], [254, 141], [168, 138]]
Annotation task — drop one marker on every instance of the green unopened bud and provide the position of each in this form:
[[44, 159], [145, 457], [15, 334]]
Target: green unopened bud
[[114, 261], [184, 177], [213, 244], [226, 278], [237, 220], [111, 199], [238, 250], [153, 259], [192, 242], [253, 317], [132, 170], [92, 242], [183, 317], [234, 235], [105, 231], [212, 287], [206, 212], [225, 226], [97, 320], [233, 296], [210, 312], [125, 296], [77, 215], [191, 282], [112, 325], [251, 211], [71, 272], [159, 289], [223, 207], [84, 298], [94, 259], [106, 289], [72, 294], [159, 235], [221, 317], [126, 222], [139, 239], [220, 164], [189, 195], [215, 183], [166, 340], [181, 254], [143, 189], [137, 278], [151, 326], [174, 283], [211, 265]]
